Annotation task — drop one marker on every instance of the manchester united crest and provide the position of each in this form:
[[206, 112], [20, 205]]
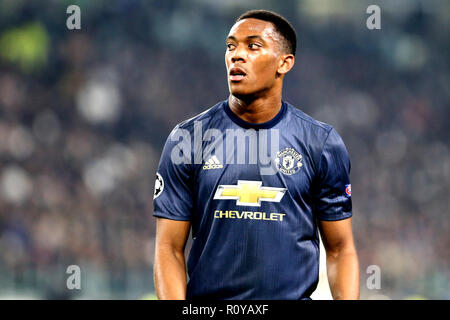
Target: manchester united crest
[[288, 161]]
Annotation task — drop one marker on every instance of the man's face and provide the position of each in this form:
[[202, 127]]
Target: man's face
[[252, 56]]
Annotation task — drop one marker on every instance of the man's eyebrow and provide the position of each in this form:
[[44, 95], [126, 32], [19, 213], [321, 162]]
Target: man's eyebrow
[[255, 37], [247, 38]]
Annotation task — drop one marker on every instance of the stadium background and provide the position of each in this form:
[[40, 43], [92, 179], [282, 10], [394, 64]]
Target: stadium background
[[84, 115]]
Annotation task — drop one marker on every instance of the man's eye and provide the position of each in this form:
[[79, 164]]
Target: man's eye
[[230, 46], [254, 46]]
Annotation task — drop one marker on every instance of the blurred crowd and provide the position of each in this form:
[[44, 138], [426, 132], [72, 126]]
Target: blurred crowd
[[84, 115]]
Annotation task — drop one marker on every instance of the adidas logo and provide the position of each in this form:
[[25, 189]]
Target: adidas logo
[[212, 163]]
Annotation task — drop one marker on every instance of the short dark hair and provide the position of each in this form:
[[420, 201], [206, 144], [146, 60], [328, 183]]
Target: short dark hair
[[282, 26]]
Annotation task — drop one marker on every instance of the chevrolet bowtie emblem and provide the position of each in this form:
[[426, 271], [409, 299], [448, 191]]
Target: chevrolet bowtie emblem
[[249, 193]]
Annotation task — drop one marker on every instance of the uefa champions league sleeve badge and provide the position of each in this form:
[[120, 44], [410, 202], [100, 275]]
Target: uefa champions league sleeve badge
[[288, 161], [159, 186], [348, 190]]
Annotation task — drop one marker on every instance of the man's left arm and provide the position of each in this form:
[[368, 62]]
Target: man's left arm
[[342, 260], [334, 213]]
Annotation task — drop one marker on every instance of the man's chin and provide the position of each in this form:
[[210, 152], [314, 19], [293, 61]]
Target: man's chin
[[238, 91]]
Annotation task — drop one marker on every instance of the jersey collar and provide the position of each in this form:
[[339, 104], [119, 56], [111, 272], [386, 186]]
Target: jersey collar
[[247, 125]]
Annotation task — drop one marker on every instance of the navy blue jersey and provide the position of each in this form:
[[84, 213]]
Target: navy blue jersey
[[253, 209]]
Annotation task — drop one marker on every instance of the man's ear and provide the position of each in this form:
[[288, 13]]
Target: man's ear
[[286, 63]]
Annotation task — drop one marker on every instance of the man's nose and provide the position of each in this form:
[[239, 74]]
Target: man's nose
[[239, 54]]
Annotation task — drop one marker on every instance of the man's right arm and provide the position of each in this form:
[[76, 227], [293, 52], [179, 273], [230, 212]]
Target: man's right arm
[[169, 271]]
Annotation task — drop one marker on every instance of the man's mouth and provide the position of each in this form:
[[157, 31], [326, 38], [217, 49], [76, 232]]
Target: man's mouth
[[237, 74]]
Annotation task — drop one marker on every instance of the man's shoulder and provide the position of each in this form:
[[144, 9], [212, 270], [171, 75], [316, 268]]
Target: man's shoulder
[[205, 115], [309, 121]]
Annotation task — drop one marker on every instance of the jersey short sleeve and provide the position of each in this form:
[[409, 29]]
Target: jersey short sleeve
[[173, 186], [333, 200]]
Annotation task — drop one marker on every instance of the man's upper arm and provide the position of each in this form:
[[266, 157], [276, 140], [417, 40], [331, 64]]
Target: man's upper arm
[[172, 233], [337, 236], [333, 197], [173, 197]]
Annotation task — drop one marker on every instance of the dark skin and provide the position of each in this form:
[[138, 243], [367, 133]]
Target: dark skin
[[255, 48]]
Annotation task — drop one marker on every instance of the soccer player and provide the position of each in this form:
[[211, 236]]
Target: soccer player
[[255, 232]]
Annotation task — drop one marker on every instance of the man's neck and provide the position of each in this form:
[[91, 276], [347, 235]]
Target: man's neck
[[255, 110]]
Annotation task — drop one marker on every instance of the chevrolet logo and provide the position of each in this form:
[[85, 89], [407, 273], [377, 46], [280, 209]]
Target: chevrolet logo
[[249, 193]]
